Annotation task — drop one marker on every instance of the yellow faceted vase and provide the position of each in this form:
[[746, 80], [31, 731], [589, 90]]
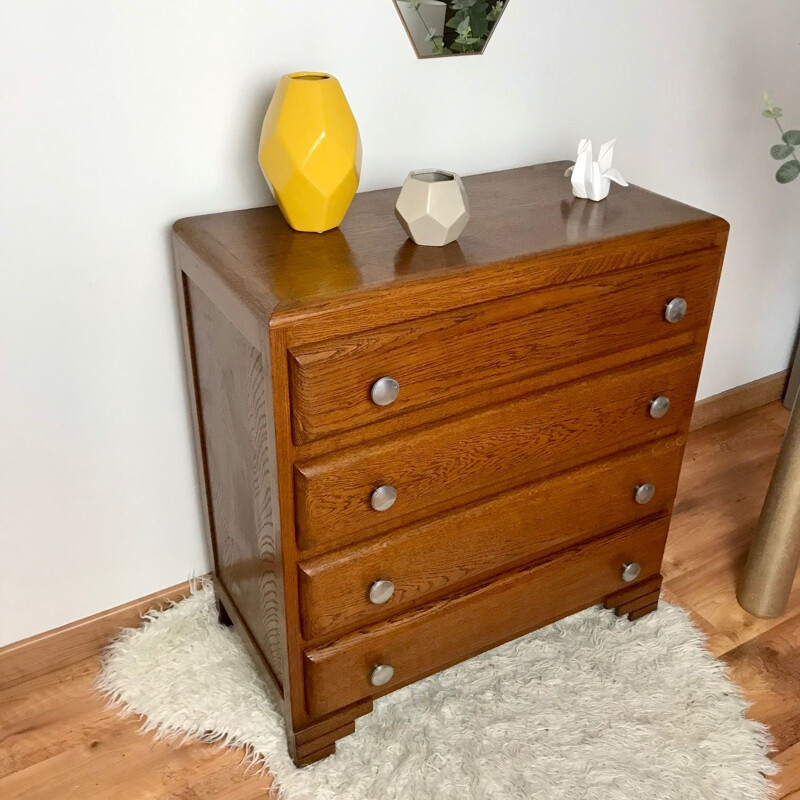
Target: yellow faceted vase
[[310, 151]]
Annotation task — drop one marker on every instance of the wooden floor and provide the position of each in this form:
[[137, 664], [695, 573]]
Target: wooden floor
[[57, 742]]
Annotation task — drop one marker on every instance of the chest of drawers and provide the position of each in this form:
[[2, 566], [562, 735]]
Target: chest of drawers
[[411, 455]]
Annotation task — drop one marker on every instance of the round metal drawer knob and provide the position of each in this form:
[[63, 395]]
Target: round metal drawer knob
[[384, 391], [381, 674], [675, 310], [630, 572], [659, 407], [381, 592], [645, 492], [383, 498]]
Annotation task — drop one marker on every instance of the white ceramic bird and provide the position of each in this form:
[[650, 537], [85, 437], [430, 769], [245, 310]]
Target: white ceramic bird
[[591, 180]]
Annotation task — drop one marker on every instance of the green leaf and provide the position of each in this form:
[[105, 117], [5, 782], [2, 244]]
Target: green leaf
[[788, 172], [479, 24], [496, 11], [771, 111], [792, 137], [781, 151], [457, 19]]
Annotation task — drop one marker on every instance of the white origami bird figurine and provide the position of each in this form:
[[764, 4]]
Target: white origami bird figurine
[[591, 180]]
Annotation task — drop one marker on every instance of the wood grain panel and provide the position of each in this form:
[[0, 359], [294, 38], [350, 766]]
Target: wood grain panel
[[234, 405], [478, 454], [462, 626], [470, 544], [453, 354]]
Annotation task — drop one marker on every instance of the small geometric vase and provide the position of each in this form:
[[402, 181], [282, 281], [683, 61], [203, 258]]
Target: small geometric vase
[[433, 207], [310, 151]]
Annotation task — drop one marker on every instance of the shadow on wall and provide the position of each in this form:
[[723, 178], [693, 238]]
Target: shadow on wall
[[250, 127]]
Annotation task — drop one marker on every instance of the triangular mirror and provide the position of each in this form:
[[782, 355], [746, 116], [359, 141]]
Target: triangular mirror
[[450, 27]]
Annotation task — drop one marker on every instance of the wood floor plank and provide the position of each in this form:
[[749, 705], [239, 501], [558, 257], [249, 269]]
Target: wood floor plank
[[725, 474], [767, 667], [51, 716], [789, 762], [54, 727], [721, 491], [127, 765]]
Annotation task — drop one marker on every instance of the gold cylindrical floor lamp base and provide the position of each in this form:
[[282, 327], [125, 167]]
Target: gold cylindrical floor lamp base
[[775, 553]]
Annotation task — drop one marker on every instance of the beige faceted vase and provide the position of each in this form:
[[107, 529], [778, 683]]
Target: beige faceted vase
[[433, 207]]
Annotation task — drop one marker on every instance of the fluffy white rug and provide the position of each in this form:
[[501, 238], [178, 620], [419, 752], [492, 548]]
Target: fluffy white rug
[[593, 708]]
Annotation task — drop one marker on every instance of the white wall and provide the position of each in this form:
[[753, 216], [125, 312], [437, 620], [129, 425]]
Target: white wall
[[117, 118]]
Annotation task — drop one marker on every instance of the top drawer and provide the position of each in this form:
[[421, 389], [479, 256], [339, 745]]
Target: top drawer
[[444, 356]]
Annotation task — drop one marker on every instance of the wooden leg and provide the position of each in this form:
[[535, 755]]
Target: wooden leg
[[222, 614], [317, 755], [642, 612], [775, 553], [318, 740], [637, 600]]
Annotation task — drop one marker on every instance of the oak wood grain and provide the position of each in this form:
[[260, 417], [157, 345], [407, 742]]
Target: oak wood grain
[[461, 626], [517, 216], [234, 398], [480, 346], [478, 454], [447, 552], [483, 397]]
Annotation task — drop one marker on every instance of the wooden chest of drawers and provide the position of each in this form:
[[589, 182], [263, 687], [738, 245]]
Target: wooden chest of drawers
[[411, 455]]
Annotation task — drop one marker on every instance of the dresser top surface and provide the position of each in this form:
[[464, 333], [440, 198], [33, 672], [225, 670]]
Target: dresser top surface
[[516, 215]]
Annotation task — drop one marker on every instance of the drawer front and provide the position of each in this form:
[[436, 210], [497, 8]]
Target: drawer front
[[443, 466], [448, 355], [443, 633], [341, 590]]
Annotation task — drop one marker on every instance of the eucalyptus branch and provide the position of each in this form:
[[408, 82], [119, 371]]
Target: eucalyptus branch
[[786, 151], [783, 136]]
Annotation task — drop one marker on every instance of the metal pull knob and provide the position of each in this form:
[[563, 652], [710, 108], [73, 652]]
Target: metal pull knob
[[645, 492], [381, 592], [675, 310], [384, 391], [383, 498], [659, 407], [630, 572], [381, 674]]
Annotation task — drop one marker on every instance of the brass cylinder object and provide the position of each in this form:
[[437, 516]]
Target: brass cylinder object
[[775, 552]]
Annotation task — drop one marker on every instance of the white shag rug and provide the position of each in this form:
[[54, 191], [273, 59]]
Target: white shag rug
[[590, 708]]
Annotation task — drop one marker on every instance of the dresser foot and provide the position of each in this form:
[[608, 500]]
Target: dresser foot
[[318, 740], [638, 600], [222, 614]]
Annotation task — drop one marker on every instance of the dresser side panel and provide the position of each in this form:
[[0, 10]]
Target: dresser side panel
[[235, 408]]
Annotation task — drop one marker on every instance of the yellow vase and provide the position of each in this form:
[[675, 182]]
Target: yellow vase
[[310, 151]]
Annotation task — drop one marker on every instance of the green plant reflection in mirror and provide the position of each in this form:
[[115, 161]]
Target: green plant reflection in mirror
[[450, 27]]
